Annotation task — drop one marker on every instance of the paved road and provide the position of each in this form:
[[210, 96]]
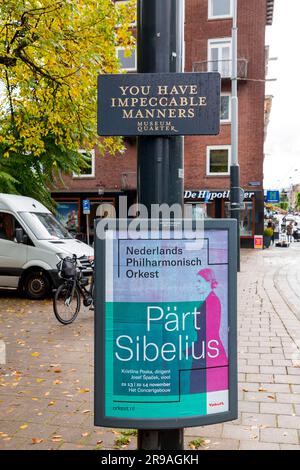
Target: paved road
[[46, 387]]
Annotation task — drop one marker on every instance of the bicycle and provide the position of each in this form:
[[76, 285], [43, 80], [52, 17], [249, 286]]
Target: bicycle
[[66, 301]]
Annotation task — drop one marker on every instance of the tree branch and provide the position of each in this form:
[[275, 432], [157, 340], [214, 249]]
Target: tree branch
[[37, 69], [11, 106]]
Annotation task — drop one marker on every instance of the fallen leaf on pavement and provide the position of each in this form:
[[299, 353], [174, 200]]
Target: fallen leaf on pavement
[[24, 426], [39, 380], [86, 411], [84, 390], [35, 354], [84, 434], [271, 397], [262, 390], [51, 403], [36, 441]]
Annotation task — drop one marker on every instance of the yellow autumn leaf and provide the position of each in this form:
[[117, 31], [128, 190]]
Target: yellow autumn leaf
[[35, 354], [40, 380], [24, 426]]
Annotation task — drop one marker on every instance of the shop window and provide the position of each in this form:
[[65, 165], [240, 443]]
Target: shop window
[[246, 218], [219, 56], [200, 210], [127, 59], [67, 212], [225, 114], [218, 160], [219, 9], [88, 170]]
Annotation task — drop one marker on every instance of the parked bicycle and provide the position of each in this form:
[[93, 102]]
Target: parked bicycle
[[67, 298]]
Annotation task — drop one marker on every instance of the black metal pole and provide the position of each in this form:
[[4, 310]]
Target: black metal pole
[[234, 168], [235, 192], [160, 49], [160, 40]]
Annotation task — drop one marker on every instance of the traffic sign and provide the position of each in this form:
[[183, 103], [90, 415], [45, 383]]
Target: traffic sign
[[86, 206], [273, 196]]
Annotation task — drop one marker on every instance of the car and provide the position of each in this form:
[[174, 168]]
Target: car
[[32, 243]]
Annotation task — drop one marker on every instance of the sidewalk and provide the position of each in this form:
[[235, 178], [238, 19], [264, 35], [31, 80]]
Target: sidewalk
[[46, 387]]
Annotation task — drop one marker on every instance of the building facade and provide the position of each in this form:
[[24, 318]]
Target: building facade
[[208, 47]]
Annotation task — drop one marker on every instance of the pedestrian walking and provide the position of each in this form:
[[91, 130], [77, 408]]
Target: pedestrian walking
[[289, 231], [272, 225]]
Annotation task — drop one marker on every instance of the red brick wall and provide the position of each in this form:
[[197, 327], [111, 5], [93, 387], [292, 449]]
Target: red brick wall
[[251, 34], [108, 173], [251, 38]]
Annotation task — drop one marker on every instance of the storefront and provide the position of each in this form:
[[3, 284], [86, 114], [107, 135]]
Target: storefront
[[69, 209], [215, 204]]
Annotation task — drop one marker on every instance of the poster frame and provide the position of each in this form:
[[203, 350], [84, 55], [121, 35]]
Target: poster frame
[[100, 419]]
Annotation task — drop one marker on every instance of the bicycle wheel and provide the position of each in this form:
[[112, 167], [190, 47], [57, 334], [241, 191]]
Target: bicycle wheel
[[66, 306]]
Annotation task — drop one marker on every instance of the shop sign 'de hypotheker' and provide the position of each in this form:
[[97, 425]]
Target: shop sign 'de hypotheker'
[[159, 104]]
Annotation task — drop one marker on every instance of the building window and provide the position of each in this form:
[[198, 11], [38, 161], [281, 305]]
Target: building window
[[219, 9], [225, 114], [127, 59], [246, 218], [219, 56], [88, 171], [218, 160]]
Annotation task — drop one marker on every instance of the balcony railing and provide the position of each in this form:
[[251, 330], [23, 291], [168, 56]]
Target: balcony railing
[[223, 67]]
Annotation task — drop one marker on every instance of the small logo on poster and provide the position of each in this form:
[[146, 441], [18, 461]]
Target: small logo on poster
[[217, 402]]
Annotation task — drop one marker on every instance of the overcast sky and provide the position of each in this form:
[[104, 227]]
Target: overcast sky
[[282, 147]]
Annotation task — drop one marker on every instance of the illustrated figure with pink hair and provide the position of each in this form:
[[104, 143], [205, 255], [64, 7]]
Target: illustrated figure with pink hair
[[210, 372]]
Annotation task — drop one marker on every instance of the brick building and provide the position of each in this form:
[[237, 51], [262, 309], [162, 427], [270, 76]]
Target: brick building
[[208, 26]]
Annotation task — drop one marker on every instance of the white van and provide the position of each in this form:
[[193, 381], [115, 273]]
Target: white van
[[32, 242]]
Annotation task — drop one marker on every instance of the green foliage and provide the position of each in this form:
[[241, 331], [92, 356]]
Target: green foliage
[[31, 176], [298, 201], [284, 205], [122, 442], [51, 52], [129, 432], [196, 443]]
